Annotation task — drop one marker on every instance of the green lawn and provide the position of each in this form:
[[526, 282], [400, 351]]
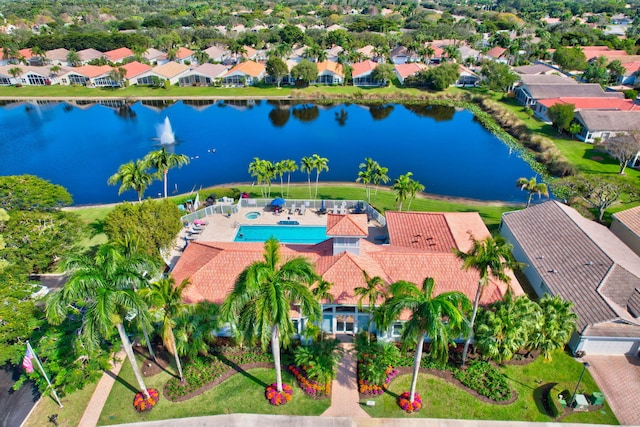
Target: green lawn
[[242, 393], [73, 404], [444, 400], [93, 217]]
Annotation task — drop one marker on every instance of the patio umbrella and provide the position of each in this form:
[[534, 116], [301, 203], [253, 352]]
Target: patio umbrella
[[322, 206], [278, 201]]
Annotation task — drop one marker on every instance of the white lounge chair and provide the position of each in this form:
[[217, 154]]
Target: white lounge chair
[[293, 209], [343, 210], [302, 210], [335, 209]]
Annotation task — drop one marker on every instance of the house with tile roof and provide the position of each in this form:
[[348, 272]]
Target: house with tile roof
[[367, 51], [245, 74], [603, 104], [402, 55], [631, 76], [217, 53], [538, 68], [409, 69], [419, 246], [626, 225], [183, 54], [601, 125], [466, 77], [330, 73], [361, 73], [90, 76], [498, 54], [585, 263], [171, 71], [29, 76], [155, 56], [87, 55], [134, 70], [117, 56], [58, 56], [204, 75]]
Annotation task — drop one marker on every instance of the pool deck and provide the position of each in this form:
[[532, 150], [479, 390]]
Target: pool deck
[[222, 228]]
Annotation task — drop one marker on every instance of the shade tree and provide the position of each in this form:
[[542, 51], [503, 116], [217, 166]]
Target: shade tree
[[533, 187]]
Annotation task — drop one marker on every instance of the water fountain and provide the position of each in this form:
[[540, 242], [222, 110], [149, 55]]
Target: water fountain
[[165, 133]]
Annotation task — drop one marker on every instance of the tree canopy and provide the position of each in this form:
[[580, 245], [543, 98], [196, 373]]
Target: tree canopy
[[27, 192]]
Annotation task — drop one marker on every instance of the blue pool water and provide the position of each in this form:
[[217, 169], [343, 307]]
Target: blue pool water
[[447, 150], [284, 233]]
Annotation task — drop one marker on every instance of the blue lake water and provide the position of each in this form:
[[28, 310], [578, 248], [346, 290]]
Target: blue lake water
[[79, 147], [284, 233]]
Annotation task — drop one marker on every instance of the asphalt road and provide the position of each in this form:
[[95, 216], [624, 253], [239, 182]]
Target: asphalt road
[[15, 405]]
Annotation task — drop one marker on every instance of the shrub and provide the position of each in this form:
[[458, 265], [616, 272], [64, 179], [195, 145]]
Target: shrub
[[143, 404], [311, 387], [486, 380], [276, 397], [408, 406]]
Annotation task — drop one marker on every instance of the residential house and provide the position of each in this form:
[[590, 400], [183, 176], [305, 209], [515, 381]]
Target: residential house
[[409, 69], [155, 56], [245, 74], [29, 76], [603, 104], [3, 61], [631, 76], [204, 75], [361, 73], [333, 52], [134, 70], [402, 55], [117, 56], [90, 76], [467, 77], [28, 56], [498, 54], [87, 55], [6, 79], [171, 71], [330, 73], [184, 55], [58, 56], [600, 125], [467, 53], [538, 68], [335, 27], [419, 246], [367, 51], [217, 53], [626, 226]]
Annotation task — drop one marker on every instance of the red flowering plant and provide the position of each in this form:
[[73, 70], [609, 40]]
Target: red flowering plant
[[276, 397], [365, 384], [142, 403], [407, 405], [310, 386]]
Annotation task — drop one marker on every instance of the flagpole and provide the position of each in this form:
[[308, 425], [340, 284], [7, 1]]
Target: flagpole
[[35, 356]]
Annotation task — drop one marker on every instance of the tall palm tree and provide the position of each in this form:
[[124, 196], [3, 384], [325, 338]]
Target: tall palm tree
[[99, 290], [533, 187], [373, 290], [258, 169], [365, 175], [490, 257], [440, 317], [558, 323], [166, 301], [403, 187], [162, 160], [132, 176], [379, 176], [322, 290], [414, 188], [320, 164], [262, 296], [289, 166], [279, 170], [307, 164]]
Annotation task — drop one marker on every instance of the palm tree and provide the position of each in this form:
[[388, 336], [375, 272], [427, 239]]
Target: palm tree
[[532, 187], [289, 166], [99, 290], [414, 188], [264, 171], [195, 329], [162, 160], [15, 72], [403, 187], [262, 296], [132, 176], [439, 317], [365, 175], [73, 58], [558, 323], [490, 257], [279, 170], [320, 164], [373, 290], [379, 176], [322, 290], [166, 300], [55, 69], [307, 164]]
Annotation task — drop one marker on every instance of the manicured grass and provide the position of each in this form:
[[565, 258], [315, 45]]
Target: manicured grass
[[242, 393], [444, 400], [93, 217], [73, 404]]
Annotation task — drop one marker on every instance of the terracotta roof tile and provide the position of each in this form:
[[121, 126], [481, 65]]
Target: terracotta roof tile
[[118, 54], [409, 69], [347, 225], [330, 66], [630, 218], [183, 53], [170, 69], [250, 68], [364, 67], [593, 103], [496, 52], [135, 68], [92, 71]]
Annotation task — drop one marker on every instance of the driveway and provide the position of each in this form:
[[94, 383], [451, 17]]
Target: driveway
[[619, 379], [15, 405]]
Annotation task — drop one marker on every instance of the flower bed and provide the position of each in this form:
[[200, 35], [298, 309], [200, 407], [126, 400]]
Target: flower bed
[[368, 389], [142, 403], [310, 387], [407, 405], [486, 380], [276, 397]]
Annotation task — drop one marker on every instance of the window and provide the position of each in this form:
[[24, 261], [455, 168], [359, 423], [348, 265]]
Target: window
[[396, 329], [5, 81], [76, 79]]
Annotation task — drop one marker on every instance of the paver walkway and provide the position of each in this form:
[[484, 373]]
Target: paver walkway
[[619, 379], [345, 400], [101, 393]]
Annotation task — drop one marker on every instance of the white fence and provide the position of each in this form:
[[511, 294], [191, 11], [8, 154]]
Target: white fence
[[338, 206]]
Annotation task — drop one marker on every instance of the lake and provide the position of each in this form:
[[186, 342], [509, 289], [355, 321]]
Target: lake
[[80, 146]]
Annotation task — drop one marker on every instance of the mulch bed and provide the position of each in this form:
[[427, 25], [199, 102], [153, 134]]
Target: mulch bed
[[226, 375], [448, 376], [152, 367]]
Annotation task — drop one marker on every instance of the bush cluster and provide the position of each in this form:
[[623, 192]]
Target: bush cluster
[[311, 387], [486, 380]]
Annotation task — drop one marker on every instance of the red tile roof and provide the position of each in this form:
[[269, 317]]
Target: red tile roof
[[631, 67], [135, 68], [118, 54], [183, 53], [92, 71], [213, 267], [496, 52], [250, 68], [26, 53], [409, 69], [363, 67], [347, 225], [593, 103]]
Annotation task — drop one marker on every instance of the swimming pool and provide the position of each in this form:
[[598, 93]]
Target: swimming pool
[[284, 233]]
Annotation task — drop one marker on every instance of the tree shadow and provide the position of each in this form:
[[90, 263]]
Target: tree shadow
[[97, 227], [149, 360], [541, 398], [241, 371], [121, 381]]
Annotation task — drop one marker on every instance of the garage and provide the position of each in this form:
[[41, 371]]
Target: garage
[[610, 345]]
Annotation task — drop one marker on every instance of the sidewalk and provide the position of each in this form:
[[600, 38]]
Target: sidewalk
[[345, 400], [101, 393]]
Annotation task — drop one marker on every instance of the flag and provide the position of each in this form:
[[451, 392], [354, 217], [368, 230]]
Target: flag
[[26, 362]]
